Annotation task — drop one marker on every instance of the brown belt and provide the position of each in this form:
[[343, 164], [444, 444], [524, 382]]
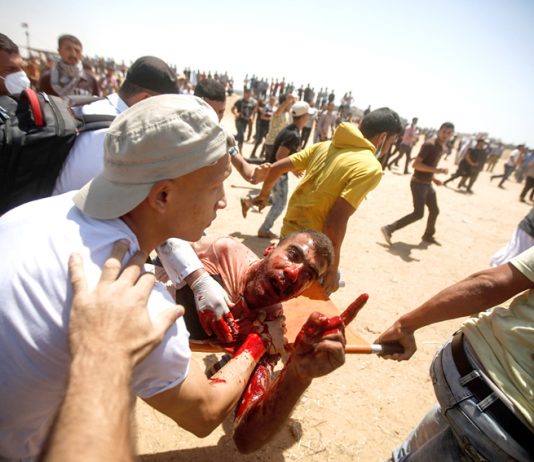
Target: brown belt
[[497, 409]]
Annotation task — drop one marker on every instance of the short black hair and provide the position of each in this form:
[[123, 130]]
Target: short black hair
[[70, 38], [282, 98], [321, 244], [8, 45], [381, 120], [447, 125], [210, 89]]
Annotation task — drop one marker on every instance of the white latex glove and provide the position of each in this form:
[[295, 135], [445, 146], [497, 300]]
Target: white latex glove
[[212, 307]]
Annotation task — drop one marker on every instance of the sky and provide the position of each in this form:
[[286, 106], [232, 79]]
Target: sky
[[465, 61]]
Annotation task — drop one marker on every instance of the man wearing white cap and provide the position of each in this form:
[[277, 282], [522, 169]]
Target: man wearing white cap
[[286, 143], [164, 166]]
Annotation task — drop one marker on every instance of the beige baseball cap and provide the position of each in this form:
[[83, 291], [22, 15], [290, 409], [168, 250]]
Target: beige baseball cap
[[159, 138]]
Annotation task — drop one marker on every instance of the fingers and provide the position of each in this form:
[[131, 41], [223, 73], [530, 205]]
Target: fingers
[[222, 331], [206, 318], [134, 267], [144, 286], [353, 309], [166, 319], [112, 266], [232, 324], [77, 273]]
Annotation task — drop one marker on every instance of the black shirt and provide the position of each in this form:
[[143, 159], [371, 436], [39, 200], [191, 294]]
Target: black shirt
[[289, 138], [430, 154], [245, 108]]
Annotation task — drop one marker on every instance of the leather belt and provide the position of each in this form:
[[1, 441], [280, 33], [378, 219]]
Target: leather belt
[[486, 397]]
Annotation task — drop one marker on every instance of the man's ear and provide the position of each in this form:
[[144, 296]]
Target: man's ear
[[158, 197], [268, 250]]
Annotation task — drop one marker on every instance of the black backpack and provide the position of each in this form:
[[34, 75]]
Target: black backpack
[[37, 132]]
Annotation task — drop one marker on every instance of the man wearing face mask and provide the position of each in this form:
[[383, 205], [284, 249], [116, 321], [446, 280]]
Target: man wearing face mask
[[67, 76], [12, 78]]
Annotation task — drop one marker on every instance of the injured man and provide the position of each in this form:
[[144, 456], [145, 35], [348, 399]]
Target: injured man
[[253, 290]]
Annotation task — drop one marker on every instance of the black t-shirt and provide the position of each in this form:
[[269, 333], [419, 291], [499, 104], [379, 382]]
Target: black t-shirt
[[430, 154], [245, 108], [289, 138]]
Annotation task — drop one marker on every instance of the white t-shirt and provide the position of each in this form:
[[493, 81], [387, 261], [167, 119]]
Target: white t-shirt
[[511, 161], [86, 157], [36, 240]]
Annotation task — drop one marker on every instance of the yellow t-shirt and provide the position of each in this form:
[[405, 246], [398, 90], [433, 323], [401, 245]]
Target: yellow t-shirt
[[344, 167], [503, 339]]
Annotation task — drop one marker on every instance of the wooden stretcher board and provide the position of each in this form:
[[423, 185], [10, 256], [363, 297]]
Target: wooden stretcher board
[[297, 312]]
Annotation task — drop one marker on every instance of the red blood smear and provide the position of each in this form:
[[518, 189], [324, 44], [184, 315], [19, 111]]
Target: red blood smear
[[216, 380], [350, 313], [256, 389], [253, 345]]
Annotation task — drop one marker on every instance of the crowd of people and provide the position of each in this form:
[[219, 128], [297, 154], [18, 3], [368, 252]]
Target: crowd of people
[[84, 332]]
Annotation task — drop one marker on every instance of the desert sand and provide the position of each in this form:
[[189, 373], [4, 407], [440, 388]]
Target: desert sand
[[365, 408]]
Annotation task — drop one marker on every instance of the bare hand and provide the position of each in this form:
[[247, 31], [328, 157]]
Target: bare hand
[[114, 314], [443, 170], [260, 173], [261, 202], [437, 182], [330, 281], [318, 355], [395, 334]]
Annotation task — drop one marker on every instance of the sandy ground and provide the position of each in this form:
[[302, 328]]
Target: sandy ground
[[364, 409]]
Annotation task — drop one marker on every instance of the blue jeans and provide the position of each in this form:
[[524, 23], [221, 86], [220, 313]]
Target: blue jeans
[[456, 429], [279, 200]]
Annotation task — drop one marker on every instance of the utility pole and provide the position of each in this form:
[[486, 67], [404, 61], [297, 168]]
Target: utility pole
[[26, 28]]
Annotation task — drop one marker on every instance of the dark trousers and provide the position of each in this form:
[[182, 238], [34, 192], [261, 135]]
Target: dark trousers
[[404, 150], [508, 169], [422, 194], [305, 136], [529, 186], [262, 127], [241, 126]]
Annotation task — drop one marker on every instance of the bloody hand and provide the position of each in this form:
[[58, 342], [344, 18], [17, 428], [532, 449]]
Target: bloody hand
[[212, 306]]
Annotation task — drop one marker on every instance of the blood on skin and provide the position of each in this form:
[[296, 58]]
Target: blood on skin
[[253, 345], [317, 326], [216, 380], [256, 388]]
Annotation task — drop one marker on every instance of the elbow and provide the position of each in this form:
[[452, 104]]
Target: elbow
[[202, 427], [206, 420]]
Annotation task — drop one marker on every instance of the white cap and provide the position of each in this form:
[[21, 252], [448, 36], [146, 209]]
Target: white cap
[[300, 108], [159, 138]]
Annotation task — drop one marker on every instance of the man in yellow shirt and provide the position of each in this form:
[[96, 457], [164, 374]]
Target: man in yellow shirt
[[484, 377], [338, 175]]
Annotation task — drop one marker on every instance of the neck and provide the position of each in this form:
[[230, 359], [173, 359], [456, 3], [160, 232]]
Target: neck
[[148, 241]]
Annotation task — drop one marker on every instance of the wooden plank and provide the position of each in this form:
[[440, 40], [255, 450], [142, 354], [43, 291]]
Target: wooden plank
[[296, 312]]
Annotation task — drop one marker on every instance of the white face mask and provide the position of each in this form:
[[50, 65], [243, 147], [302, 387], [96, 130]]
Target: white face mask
[[16, 82]]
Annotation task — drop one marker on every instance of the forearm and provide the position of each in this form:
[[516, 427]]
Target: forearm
[[94, 420], [277, 169], [199, 404], [266, 417], [336, 233], [242, 166], [474, 294]]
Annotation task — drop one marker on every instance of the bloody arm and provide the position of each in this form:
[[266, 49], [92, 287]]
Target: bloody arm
[[318, 350]]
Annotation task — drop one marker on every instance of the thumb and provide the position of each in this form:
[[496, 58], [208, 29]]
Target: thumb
[[166, 319]]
